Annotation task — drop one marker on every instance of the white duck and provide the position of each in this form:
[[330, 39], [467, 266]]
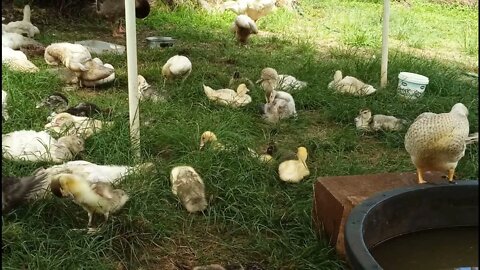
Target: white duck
[[293, 171], [350, 85], [24, 26], [228, 96], [243, 27], [178, 66], [189, 187], [271, 80], [254, 9], [290, 102], [30, 145], [368, 122], [65, 123], [17, 61], [279, 109], [4, 106]]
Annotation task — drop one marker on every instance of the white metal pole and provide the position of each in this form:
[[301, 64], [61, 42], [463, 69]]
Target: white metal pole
[[133, 107], [386, 18]]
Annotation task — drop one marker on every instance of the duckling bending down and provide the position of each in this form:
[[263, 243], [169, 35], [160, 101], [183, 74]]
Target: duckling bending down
[[4, 106], [77, 59], [114, 10], [270, 80], [189, 187], [437, 142], [243, 27], [228, 96], [236, 80], [210, 137], [350, 85], [293, 171], [98, 198], [24, 26], [148, 92], [17, 61], [17, 190], [365, 121], [177, 67], [30, 145], [65, 123], [58, 103]]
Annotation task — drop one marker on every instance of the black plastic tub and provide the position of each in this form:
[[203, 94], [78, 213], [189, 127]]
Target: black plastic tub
[[406, 210]]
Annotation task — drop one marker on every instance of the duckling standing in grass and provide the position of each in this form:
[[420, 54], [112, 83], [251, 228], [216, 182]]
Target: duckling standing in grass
[[293, 171], [210, 137], [65, 123], [228, 96], [189, 187], [148, 92], [350, 85], [17, 190], [368, 122], [30, 145], [98, 198], [243, 27], [437, 142], [177, 67], [4, 106]]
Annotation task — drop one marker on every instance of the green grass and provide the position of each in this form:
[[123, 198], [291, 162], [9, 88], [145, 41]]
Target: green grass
[[252, 215]]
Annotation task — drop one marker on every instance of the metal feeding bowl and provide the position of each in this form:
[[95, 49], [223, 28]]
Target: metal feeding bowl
[[155, 42]]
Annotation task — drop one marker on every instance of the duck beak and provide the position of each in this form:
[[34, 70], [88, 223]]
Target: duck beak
[[259, 80], [202, 144], [40, 105]]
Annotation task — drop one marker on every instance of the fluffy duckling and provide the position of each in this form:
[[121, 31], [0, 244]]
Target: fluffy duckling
[[368, 122], [178, 66], [280, 105], [255, 9], [148, 92], [236, 80], [210, 137], [17, 61], [228, 96], [271, 80], [65, 123], [243, 27], [17, 190], [98, 198], [293, 171], [98, 72], [30, 145], [4, 106], [58, 103], [437, 142], [350, 85], [24, 26], [189, 187]]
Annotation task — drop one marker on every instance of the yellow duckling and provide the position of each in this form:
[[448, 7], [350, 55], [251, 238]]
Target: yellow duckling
[[210, 137], [294, 171]]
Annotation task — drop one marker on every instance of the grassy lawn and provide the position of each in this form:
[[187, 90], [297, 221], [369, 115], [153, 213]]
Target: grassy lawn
[[252, 215]]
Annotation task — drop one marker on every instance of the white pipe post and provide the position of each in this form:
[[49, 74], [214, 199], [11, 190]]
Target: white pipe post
[[133, 107], [386, 18]]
